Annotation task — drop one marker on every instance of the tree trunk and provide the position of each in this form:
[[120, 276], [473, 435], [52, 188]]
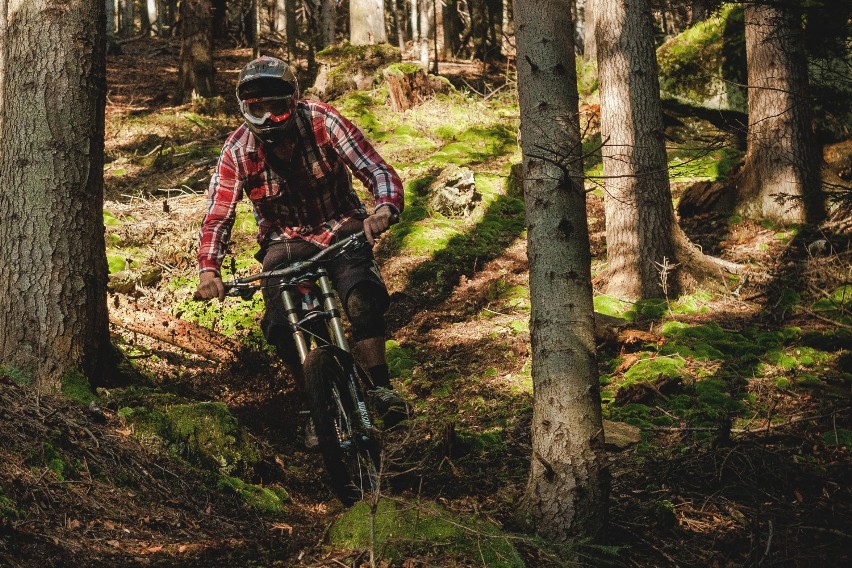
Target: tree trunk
[[648, 254], [110, 19], [128, 26], [590, 49], [780, 179], [566, 495], [452, 29], [220, 19], [406, 89], [423, 29], [399, 21], [328, 17], [367, 22], [507, 44], [53, 310], [196, 50]]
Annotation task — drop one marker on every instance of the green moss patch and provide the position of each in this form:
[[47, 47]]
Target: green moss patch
[[270, 500], [76, 386], [204, 434], [8, 508], [706, 63], [426, 529], [400, 359]]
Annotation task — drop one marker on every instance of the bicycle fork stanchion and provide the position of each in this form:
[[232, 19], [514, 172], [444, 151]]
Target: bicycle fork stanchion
[[293, 318], [330, 305]]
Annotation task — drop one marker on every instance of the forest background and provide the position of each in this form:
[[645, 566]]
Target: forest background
[[725, 404]]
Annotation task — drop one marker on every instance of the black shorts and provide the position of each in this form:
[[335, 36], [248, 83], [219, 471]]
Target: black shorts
[[350, 269]]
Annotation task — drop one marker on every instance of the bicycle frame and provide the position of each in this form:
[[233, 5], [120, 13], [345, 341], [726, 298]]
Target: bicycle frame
[[333, 382]]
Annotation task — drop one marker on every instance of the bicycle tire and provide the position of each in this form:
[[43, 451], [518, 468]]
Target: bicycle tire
[[350, 451]]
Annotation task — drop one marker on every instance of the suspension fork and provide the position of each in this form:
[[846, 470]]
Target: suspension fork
[[330, 305], [293, 317]]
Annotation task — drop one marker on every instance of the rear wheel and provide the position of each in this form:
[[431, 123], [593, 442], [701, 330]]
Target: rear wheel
[[347, 442]]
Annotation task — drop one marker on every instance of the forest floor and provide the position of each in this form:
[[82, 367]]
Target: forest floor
[[734, 403]]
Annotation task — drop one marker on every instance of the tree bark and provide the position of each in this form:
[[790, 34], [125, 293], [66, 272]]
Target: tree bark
[[53, 312], [590, 50], [196, 50], [452, 29], [328, 15], [407, 89], [648, 255], [780, 179], [566, 495], [507, 30], [367, 22]]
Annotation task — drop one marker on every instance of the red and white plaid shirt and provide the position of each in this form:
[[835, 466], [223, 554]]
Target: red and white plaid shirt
[[310, 201]]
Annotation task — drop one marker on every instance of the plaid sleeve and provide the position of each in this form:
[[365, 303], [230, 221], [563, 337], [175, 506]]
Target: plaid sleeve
[[364, 161], [222, 197]]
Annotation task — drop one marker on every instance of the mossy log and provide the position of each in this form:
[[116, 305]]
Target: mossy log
[[164, 327], [408, 86]]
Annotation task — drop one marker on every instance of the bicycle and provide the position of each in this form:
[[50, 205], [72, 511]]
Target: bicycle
[[334, 383]]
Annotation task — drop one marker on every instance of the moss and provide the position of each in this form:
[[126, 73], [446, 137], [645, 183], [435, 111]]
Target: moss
[[614, 307], [269, 499], [839, 437], [8, 508], [654, 368], [424, 530], [480, 442], [205, 434], [17, 376], [346, 53], [76, 386], [400, 359], [706, 62], [400, 69]]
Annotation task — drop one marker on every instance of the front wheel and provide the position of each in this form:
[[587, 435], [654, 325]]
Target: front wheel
[[347, 440]]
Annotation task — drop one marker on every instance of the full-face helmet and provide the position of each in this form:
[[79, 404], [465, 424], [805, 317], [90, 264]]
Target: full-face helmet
[[267, 91]]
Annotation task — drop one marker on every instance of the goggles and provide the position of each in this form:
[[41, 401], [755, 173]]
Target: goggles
[[259, 110]]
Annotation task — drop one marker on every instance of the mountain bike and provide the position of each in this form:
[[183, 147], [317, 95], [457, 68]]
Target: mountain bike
[[335, 385]]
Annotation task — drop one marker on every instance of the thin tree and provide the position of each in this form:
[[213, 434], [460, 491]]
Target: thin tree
[[327, 20], [566, 494], [196, 50], [53, 308], [780, 179], [648, 254]]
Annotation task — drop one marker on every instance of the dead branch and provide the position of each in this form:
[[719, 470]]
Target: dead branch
[[169, 329]]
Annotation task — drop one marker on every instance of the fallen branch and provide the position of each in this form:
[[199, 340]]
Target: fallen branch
[[167, 328]]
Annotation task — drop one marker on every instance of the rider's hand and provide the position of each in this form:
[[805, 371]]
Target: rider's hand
[[378, 223], [210, 286]]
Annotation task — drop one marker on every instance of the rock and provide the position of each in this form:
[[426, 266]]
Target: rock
[[621, 435], [454, 193]]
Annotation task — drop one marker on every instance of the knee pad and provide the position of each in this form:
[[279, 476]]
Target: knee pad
[[365, 313]]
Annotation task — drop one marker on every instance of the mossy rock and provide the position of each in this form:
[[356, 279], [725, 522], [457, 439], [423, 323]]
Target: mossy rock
[[706, 63], [345, 68], [204, 434], [424, 530]]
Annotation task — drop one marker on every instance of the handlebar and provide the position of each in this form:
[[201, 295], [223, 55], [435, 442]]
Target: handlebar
[[245, 286]]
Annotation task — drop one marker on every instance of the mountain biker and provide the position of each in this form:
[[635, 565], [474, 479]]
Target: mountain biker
[[293, 158]]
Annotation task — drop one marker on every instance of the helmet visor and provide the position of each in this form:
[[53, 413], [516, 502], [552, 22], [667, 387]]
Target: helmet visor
[[259, 110]]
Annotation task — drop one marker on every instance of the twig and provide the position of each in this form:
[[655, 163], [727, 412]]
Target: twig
[[823, 318], [768, 543], [788, 423]]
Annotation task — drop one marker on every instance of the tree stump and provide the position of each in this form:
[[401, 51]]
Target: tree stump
[[408, 86]]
